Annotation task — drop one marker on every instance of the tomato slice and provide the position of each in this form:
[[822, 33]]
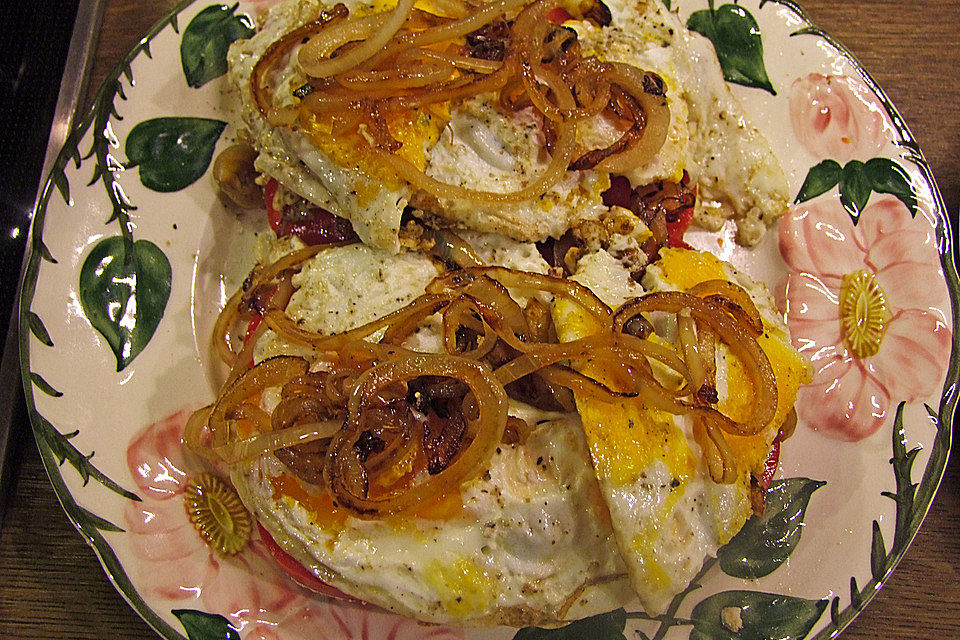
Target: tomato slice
[[770, 466], [559, 15], [677, 229], [274, 216], [298, 572], [319, 226]]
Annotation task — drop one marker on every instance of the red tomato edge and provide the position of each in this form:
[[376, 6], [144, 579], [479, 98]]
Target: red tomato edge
[[676, 230], [297, 572], [273, 215], [770, 466]]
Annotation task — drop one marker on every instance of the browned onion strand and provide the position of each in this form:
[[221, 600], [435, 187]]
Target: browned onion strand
[[743, 346], [460, 61], [482, 437], [222, 328], [734, 299], [789, 425], [708, 352], [365, 50], [450, 247], [690, 345], [721, 462], [298, 408], [402, 443], [464, 313], [252, 382], [651, 118], [570, 290], [245, 356], [388, 65], [276, 51], [355, 401]]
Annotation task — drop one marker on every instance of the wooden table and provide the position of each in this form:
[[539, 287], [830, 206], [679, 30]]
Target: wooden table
[[51, 585]]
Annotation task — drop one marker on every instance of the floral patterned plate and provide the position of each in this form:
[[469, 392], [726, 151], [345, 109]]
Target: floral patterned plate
[[132, 253]]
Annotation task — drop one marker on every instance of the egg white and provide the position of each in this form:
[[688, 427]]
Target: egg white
[[529, 542], [667, 514], [568, 524], [482, 148]]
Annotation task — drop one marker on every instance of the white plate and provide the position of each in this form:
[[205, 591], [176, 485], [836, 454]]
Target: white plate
[[125, 500]]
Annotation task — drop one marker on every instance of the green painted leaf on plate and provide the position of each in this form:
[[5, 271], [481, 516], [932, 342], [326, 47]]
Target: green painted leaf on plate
[[736, 38], [606, 626], [205, 626], [765, 542], [44, 386], [906, 493], [820, 179], [856, 598], [124, 296], [63, 450], [878, 554], [753, 615], [886, 176], [38, 329], [172, 153], [93, 520], [854, 189], [203, 49]]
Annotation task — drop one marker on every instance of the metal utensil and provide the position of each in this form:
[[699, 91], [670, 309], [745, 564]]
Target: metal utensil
[[72, 88]]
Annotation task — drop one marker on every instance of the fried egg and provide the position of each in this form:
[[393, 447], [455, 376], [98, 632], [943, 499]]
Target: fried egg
[[666, 512], [595, 509], [527, 542], [475, 145], [728, 158]]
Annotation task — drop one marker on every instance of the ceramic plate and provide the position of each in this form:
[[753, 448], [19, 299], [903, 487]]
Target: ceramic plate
[[132, 255]]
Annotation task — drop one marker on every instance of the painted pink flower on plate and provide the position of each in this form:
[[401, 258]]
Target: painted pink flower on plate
[[883, 279], [173, 563], [837, 118]]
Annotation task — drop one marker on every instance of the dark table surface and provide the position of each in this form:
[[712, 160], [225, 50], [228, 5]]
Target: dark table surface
[[52, 586]]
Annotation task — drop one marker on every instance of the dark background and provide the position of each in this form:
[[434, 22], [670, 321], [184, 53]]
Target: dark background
[[34, 39]]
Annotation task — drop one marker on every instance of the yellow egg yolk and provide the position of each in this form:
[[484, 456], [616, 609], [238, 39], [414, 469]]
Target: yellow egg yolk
[[416, 130], [684, 269], [624, 437], [467, 588]]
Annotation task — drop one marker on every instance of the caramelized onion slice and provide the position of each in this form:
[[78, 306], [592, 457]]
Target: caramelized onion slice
[[325, 68], [720, 459], [323, 44], [275, 52], [467, 24], [343, 463], [268, 373], [245, 449], [527, 281], [734, 299], [550, 176], [651, 127], [223, 326], [743, 346]]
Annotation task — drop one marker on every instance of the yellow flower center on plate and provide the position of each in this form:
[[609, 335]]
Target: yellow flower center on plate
[[864, 314], [214, 508]]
